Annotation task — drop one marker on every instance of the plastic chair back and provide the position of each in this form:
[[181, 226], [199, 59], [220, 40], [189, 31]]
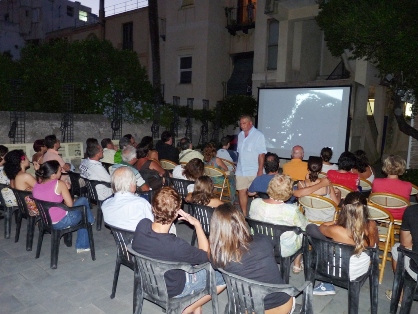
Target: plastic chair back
[[275, 231], [204, 215], [247, 296], [8, 214], [92, 195], [76, 189], [180, 186], [149, 283]]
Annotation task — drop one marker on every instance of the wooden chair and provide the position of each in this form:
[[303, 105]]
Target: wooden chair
[[231, 166], [223, 189], [247, 296], [149, 283], [168, 164], [385, 224], [366, 187], [344, 190], [122, 238], [275, 232], [329, 261], [414, 190], [390, 202], [318, 203]]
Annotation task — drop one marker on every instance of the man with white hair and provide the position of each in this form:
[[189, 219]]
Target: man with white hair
[[296, 168], [125, 209], [128, 160]]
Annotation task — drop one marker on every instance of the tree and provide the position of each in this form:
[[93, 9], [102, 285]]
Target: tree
[[383, 32], [96, 70]]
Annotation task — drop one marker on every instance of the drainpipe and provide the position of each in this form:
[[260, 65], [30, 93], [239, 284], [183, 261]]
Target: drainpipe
[[102, 20]]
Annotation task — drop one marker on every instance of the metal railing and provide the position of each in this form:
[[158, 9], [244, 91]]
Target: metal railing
[[125, 6], [241, 15]]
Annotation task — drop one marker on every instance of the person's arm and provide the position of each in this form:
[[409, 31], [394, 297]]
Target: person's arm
[[201, 237], [260, 164], [155, 166], [329, 229], [30, 180], [221, 164], [63, 190], [373, 232], [144, 187], [66, 167], [310, 189], [336, 198], [406, 239]]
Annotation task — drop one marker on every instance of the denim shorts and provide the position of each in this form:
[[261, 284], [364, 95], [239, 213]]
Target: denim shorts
[[196, 282]]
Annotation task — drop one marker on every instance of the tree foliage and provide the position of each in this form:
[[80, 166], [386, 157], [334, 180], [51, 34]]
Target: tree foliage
[[383, 32], [93, 67]]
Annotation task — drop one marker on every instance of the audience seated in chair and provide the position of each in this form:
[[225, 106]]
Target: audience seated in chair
[[409, 239], [165, 148], [152, 240], [274, 210], [322, 189], [225, 152], [187, 152], [296, 168], [235, 250], [271, 167], [148, 142], [51, 189], [362, 167], [203, 193], [92, 169], [393, 166], [194, 169], [40, 149], [352, 227], [128, 160], [343, 175], [326, 155], [109, 151]]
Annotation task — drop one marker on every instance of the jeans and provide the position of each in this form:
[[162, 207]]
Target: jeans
[[73, 218], [196, 282]]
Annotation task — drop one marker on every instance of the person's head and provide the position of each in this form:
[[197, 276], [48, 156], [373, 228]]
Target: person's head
[[203, 190], [326, 154], [271, 163], [147, 140], [166, 137], [229, 235], [280, 187], [347, 161], [361, 160], [225, 142], [49, 170], [39, 145], [94, 151], [165, 205], [15, 161], [314, 167], [209, 152], [130, 138], [123, 180], [185, 143], [3, 152], [142, 150], [297, 152], [107, 143], [51, 142], [245, 123], [91, 141], [123, 142], [129, 154], [354, 216], [394, 165], [194, 169]]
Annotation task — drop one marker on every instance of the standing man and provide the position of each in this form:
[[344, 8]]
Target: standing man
[[251, 150]]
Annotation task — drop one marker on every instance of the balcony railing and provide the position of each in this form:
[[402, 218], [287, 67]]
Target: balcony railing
[[240, 18]]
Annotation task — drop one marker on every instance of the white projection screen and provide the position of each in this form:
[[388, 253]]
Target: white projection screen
[[313, 117]]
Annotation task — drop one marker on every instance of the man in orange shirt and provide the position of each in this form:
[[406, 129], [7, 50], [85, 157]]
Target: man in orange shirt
[[296, 168]]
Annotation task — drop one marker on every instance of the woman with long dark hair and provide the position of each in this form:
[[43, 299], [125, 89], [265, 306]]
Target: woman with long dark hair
[[203, 193], [51, 189], [233, 248], [362, 167]]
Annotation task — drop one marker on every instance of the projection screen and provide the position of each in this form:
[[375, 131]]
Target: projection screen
[[313, 117]]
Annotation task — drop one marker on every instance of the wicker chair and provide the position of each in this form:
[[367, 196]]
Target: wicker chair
[[344, 190], [224, 189], [167, 164], [319, 203]]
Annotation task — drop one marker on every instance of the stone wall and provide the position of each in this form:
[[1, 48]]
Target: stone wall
[[38, 125]]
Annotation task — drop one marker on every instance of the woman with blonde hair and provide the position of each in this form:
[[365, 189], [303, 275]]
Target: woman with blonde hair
[[234, 249], [351, 227], [203, 193], [393, 166], [275, 210]]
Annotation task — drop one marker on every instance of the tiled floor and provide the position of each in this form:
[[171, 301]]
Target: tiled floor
[[80, 285]]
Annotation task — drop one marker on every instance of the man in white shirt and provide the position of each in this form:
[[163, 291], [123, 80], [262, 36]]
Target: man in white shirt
[[91, 168], [251, 153], [125, 209], [108, 151]]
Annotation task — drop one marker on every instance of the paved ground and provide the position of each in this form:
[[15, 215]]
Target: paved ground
[[80, 285]]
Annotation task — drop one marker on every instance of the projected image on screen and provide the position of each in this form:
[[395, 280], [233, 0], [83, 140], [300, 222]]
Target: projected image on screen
[[311, 117]]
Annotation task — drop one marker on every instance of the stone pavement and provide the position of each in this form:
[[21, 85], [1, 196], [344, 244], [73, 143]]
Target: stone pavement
[[80, 285]]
